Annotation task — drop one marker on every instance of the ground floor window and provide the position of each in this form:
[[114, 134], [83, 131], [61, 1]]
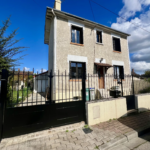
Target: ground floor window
[[76, 70], [118, 72]]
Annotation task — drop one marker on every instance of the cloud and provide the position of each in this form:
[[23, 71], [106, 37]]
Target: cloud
[[140, 67], [131, 7], [26, 69], [44, 70], [41, 70], [143, 55], [139, 41]]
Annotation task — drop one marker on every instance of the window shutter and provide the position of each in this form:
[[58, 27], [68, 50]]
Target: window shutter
[[96, 37], [114, 72], [114, 44], [70, 69], [73, 35], [100, 37], [122, 72], [119, 45], [81, 36]]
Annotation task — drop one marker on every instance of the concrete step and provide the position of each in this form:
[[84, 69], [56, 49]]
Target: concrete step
[[125, 138], [132, 143]]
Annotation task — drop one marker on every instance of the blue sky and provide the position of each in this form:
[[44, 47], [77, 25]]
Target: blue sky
[[29, 17]]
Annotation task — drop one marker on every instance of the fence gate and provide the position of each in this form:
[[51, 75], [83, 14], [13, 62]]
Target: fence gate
[[128, 91], [26, 111]]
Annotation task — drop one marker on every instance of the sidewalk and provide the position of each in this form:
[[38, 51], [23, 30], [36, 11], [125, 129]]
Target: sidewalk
[[100, 136]]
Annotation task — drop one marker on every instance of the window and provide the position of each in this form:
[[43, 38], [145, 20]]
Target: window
[[99, 36], [77, 35], [116, 44], [118, 72], [76, 70]]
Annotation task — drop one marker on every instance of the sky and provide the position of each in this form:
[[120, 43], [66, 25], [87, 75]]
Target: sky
[[29, 17]]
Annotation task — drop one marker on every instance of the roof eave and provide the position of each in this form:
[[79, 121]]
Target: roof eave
[[48, 17], [86, 20]]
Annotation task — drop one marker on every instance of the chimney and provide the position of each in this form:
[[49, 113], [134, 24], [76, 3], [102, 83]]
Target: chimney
[[57, 4]]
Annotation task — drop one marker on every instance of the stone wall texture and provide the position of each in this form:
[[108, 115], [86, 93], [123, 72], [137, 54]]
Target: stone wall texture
[[90, 49]]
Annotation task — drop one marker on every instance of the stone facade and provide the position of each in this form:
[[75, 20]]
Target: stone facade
[[62, 51], [90, 48]]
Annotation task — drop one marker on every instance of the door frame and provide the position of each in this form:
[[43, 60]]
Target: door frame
[[104, 71]]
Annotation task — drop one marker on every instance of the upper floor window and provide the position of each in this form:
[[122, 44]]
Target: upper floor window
[[99, 36], [77, 35], [116, 44], [118, 72]]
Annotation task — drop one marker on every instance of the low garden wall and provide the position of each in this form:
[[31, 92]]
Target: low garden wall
[[142, 102], [104, 110]]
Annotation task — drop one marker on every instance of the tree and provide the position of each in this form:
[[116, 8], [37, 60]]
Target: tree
[[7, 47], [147, 73]]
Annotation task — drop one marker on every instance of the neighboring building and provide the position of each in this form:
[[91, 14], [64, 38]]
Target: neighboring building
[[77, 44], [41, 82], [20, 79]]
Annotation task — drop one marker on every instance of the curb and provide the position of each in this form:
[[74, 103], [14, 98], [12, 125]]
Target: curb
[[125, 137], [41, 134]]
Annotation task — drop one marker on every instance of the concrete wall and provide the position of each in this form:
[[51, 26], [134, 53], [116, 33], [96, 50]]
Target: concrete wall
[[90, 49], [140, 84], [142, 102], [101, 111]]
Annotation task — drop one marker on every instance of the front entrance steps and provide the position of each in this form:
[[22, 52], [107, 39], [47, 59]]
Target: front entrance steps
[[103, 94]]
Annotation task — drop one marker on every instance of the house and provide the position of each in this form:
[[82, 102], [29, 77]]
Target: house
[[78, 45]]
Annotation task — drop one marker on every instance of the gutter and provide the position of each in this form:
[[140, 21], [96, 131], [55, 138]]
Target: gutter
[[86, 20]]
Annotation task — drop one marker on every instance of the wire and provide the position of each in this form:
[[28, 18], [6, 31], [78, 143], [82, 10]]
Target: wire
[[119, 16], [92, 10]]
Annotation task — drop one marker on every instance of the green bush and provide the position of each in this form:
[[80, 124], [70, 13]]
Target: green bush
[[15, 97], [146, 90]]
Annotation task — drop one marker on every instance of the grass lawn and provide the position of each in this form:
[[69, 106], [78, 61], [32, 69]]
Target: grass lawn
[[19, 96]]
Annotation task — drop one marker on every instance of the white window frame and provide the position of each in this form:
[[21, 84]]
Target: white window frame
[[75, 34], [118, 37], [96, 29]]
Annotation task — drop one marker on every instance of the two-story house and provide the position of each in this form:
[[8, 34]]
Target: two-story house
[[76, 43]]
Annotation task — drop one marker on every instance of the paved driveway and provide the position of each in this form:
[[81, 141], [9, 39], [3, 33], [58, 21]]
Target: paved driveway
[[75, 138]]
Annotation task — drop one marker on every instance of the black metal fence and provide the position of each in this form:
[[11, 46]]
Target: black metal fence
[[26, 88]]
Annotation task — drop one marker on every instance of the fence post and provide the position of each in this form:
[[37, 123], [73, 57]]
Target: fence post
[[121, 86], [50, 88], [3, 98], [84, 94], [132, 83]]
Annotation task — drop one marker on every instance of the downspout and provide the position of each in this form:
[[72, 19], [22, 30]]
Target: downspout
[[54, 42], [54, 56]]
